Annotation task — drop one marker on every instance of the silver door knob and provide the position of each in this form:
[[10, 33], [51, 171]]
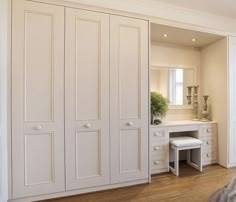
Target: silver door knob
[[129, 123], [156, 148], [208, 130], [156, 162], [158, 134], [38, 127], [87, 125]]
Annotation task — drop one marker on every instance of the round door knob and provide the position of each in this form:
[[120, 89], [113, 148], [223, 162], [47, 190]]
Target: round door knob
[[208, 142], [156, 148], [156, 162], [207, 155], [208, 130], [38, 127], [158, 134], [87, 125], [129, 123]]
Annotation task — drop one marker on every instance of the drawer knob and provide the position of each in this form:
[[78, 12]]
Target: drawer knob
[[129, 123], [156, 148], [208, 130], [87, 125], [156, 162], [208, 142], [158, 134], [207, 155], [38, 127]]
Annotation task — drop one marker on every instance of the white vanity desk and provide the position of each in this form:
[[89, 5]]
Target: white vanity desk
[[205, 131]]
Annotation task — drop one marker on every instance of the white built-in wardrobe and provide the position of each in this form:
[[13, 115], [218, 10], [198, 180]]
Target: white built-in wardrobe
[[79, 102], [79, 99]]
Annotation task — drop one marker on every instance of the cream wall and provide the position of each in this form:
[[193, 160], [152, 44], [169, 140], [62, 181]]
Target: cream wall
[[159, 80], [170, 55], [214, 83]]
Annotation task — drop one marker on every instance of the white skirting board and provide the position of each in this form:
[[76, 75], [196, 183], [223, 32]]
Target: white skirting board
[[81, 191]]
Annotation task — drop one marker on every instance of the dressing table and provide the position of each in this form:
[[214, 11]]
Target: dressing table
[[159, 136]]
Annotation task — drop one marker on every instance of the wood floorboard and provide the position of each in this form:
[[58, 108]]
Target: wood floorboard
[[190, 186]]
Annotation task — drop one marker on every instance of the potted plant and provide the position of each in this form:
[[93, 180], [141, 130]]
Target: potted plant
[[159, 107]]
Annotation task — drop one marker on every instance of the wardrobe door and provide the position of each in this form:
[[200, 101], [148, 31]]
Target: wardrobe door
[[129, 99], [87, 99], [37, 98]]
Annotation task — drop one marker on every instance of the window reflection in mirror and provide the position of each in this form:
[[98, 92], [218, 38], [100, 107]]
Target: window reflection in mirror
[[176, 86], [172, 83]]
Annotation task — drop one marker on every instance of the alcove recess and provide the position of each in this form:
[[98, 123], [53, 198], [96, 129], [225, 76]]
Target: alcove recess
[[205, 54]]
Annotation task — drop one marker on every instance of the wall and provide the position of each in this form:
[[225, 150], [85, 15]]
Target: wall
[[214, 83], [163, 54], [159, 80]]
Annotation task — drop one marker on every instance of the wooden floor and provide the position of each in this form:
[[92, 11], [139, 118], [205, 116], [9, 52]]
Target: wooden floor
[[191, 186]]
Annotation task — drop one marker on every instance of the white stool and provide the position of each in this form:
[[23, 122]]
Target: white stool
[[186, 143]]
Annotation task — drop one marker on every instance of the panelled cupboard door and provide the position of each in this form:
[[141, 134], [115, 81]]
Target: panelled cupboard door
[[37, 98], [128, 99], [232, 101], [87, 99]]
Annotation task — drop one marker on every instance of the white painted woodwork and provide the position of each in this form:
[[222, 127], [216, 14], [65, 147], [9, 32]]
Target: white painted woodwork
[[5, 104], [159, 134], [160, 12], [159, 155], [20, 126], [177, 40], [128, 99], [87, 99], [208, 135], [37, 98], [232, 102]]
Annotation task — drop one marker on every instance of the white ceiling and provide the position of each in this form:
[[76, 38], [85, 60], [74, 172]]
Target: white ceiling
[[181, 36], [225, 8]]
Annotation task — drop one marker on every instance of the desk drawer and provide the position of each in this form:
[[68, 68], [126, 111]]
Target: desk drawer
[[158, 134], [209, 146], [160, 148], [209, 140], [209, 156], [159, 163], [208, 130]]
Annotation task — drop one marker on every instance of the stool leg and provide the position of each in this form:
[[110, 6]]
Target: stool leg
[[176, 162], [200, 158], [189, 156]]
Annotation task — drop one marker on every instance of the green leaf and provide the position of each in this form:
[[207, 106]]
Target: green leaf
[[159, 105]]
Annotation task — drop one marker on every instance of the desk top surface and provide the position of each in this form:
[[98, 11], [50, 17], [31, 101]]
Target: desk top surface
[[182, 122]]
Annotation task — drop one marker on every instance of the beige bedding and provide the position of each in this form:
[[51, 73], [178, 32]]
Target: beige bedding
[[225, 194]]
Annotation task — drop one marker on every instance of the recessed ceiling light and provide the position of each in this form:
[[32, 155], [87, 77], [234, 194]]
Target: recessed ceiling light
[[165, 35], [193, 40]]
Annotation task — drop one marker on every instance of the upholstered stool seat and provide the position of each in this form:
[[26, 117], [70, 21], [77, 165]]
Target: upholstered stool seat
[[186, 143]]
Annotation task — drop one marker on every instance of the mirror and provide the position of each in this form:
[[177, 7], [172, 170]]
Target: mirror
[[172, 83]]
